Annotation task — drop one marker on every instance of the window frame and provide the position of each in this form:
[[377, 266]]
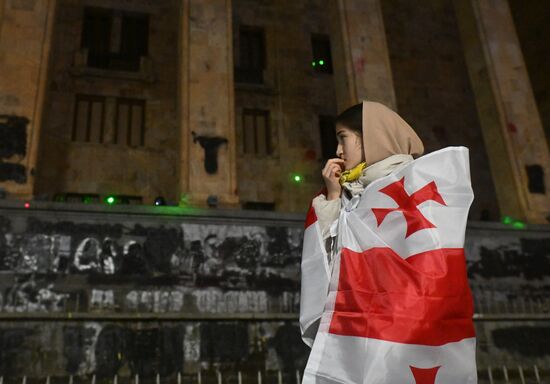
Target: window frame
[[256, 113], [322, 119], [89, 99], [130, 103], [245, 74], [115, 61], [320, 39]]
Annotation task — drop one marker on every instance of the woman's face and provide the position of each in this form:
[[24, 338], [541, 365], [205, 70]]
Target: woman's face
[[350, 146]]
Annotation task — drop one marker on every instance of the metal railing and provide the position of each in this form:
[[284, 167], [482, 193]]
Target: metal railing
[[200, 377], [503, 374], [512, 375]]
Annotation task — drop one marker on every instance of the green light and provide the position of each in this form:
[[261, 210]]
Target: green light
[[313, 63], [110, 200], [184, 200], [321, 62], [518, 225], [297, 178], [507, 220]]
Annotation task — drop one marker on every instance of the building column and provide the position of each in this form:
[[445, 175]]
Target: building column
[[361, 60], [26, 29], [511, 124], [207, 103]]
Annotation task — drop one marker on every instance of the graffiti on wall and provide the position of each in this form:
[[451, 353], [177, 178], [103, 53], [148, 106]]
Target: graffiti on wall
[[106, 348], [509, 272], [65, 266], [100, 267]]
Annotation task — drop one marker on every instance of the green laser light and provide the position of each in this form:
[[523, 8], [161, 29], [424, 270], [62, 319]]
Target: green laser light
[[321, 62], [507, 220], [518, 225]]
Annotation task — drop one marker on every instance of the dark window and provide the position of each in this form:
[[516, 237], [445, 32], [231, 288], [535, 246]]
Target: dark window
[[250, 61], [322, 58], [130, 122], [114, 39], [96, 36], [328, 137], [256, 132], [89, 118], [258, 205], [535, 175], [13, 136]]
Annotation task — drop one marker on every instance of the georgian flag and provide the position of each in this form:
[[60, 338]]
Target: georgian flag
[[397, 307]]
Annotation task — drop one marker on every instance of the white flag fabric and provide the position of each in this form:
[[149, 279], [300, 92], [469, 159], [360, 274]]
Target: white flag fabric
[[315, 277], [396, 307]]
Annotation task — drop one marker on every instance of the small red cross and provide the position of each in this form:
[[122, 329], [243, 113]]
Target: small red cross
[[408, 205], [424, 375]]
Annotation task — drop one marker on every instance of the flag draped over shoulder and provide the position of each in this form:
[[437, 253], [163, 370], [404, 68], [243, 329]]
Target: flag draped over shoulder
[[397, 307], [315, 276]]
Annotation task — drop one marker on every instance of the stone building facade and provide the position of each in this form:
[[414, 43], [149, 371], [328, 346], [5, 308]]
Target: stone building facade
[[231, 102]]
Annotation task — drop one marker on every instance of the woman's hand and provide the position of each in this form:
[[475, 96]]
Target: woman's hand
[[331, 174]]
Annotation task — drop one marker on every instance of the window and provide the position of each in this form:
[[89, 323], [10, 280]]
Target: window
[[256, 133], [259, 205], [115, 40], [322, 58], [130, 122], [328, 137], [250, 61], [535, 176], [89, 118]]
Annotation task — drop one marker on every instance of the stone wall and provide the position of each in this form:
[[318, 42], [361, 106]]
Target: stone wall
[[207, 103], [433, 89], [25, 41], [87, 167], [187, 82], [532, 29], [105, 290], [294, 94]]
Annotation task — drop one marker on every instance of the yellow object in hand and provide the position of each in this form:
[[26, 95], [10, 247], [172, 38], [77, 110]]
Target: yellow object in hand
[[352, 174]]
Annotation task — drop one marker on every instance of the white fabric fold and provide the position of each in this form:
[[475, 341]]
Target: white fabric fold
[[327, 211]]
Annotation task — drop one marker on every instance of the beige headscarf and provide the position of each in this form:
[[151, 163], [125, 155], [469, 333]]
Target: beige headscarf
[[385, 134]]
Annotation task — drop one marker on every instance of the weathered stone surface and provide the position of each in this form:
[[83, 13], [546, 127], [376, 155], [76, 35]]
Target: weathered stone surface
[[123, 291], [411, 58]]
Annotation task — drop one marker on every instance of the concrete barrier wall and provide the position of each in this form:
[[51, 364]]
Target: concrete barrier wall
[[90, 289]]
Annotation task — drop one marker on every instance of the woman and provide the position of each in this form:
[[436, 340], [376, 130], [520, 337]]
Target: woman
[[384, 296], [367, 150]]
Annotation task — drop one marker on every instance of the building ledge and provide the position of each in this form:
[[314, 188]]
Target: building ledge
[[112, 74], [175, 212], [219, 214], [80, 69]]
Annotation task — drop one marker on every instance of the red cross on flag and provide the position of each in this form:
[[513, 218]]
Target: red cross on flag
[[396, 307]]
